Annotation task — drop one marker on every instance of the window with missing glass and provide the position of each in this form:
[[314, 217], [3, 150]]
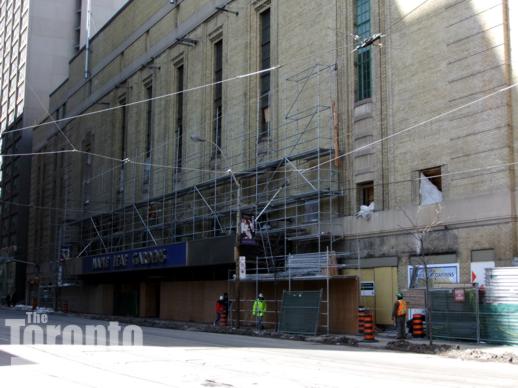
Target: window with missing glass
[[365, 193], [362, 27], [430, 186], [434, 175]]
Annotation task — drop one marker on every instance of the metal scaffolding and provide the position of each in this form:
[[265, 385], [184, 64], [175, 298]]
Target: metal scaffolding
[[288, 185], [285, 185]]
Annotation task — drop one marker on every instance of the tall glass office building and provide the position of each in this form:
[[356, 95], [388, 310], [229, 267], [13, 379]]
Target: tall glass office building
[[37, 40]]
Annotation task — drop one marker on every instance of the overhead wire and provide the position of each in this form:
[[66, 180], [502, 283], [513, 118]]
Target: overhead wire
[[192, 89], [69, 118], [150, 164], [310, 168], [131, 161], [416, 8], [400, 181], [356, 150], [37, 153], [414, 126], [128, 160], [50, 115], [195, 88]]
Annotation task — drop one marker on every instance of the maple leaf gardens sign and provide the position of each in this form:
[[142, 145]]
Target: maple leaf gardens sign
[[166, 256]]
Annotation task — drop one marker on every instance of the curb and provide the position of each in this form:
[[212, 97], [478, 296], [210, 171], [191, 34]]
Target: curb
[[452, 350]]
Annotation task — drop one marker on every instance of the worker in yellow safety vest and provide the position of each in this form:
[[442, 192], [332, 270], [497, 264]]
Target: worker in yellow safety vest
[[258, 310], [399, 313]]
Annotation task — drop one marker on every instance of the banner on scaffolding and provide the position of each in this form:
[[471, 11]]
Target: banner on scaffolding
[[247, 229]]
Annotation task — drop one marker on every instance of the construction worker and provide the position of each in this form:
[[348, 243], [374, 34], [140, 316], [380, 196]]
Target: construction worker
[[220, 307], [399, 313], [258, 310], [227, 303]]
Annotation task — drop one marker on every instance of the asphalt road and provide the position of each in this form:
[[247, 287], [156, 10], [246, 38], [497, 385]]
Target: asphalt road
[[192, 359]]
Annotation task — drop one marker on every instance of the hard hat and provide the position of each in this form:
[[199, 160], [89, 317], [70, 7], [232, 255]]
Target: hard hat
[[221, 297], [399, 295], [260, 295]]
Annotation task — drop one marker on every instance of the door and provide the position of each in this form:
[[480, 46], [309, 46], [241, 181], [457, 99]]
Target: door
[[378, 293], [126, 300], [385, 279]]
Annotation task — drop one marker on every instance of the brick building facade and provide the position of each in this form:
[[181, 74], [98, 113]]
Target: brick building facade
[[149, 165]]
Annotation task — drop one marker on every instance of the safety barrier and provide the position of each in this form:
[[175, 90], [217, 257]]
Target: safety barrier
[[368, 328], [417, 326], [362, 313]]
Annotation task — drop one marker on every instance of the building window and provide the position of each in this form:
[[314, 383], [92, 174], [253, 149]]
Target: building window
[[123, 139], [179, 115], [264, 81], [87, 168], [77, 29], [311, 211], [362, 27], [365, 193], [430, 186], [149, 118], [124, 127], [218, 95]]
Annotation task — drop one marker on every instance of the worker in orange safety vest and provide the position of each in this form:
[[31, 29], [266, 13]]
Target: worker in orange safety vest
[[399, 313]]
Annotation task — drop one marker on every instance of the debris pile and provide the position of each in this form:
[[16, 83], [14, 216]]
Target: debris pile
[[406, 346], [477, 354]]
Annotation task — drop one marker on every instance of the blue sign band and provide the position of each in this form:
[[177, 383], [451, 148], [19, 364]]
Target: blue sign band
[[166, 256]]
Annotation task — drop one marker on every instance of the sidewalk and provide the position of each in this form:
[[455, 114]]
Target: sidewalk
[[385, 340], [457, 349]]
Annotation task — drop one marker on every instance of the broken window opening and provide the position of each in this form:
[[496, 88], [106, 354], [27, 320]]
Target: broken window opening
[[430, 186]]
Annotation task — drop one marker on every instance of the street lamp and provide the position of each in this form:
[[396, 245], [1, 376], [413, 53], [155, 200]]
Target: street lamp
[[199, 139]]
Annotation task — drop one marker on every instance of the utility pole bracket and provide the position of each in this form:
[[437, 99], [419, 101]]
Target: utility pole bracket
[[187, 41], [223, 9]]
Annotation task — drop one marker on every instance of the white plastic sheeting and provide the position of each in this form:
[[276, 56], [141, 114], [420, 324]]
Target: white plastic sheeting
[[365, 211], [429, 192]]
